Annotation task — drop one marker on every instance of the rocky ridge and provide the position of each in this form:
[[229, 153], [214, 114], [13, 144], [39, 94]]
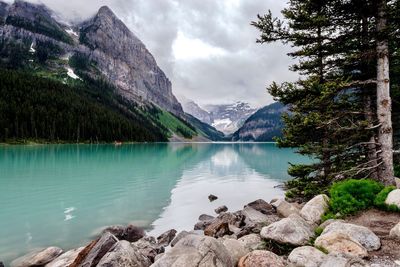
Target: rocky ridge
[[256, 236]]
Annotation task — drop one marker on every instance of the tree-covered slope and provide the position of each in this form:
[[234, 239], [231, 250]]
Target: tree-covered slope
[[205, 129], [263, 125]]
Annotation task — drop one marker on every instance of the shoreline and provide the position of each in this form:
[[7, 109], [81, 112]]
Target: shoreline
[[278, 233]]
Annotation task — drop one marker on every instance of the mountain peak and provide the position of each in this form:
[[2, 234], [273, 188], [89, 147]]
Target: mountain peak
[[105, 10]]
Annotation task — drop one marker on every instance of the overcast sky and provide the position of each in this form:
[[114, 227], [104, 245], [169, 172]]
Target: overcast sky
[[206, 47]]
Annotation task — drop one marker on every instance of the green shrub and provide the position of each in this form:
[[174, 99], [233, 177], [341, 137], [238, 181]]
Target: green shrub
[[381, 197], [350, 196]]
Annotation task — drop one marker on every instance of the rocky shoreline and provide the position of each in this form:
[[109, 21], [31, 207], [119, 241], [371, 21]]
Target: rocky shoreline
[[262, 234]]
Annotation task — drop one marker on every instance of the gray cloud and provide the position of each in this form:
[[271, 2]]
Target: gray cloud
[[241, 72]]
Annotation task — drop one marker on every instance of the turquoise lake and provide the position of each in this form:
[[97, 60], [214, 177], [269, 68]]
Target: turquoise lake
[[62, 195]]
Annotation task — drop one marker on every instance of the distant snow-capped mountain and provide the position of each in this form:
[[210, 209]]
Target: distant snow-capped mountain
[[226, 118]]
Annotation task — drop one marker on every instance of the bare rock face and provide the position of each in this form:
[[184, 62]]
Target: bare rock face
[[293, 230], [195, 250], [306, 257], [39, 258], [261, 258], [124, 59], [315, 208], [123, 254]]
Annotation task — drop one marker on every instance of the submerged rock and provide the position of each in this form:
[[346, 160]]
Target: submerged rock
[[293, 230], [212, 198], [166, 238], [38, 258], [261, 258], [306, 257], [66, 258], [315, 208], [221, 209], [393, 198], [193, 251], [361, 234], [123, 254]]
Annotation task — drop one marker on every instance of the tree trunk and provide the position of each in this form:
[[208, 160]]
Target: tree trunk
[[384, 102]]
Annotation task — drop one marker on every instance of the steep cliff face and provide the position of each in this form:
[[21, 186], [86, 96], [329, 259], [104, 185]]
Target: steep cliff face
[[118, 54], [124, 59], [263, 125]]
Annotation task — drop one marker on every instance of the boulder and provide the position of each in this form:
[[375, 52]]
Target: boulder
[[205, 217], [395, 232], [129, 233], [123, 254], [361, 234], [148, 247], [251, 241], [237, 218], [201, 225], [212, 198], [217, 228], [340, 243], [179, 237], [261, 258], [393, 198], [284, 208], [221, 209], [92, 253], [262, 206], [254, 216], [37, 258], [195, 250], [293, 230], [328, 222], [315, 208], [235, 249], [166, 238], [306, 257], [338, 260], [66, 258]]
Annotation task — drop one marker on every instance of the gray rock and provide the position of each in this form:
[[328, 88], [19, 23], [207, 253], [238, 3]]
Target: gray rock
[[315, 208], [361, 234], [92, 253], [66, 258], [38, 258], [395, 232], [262, 206], [306, 257], [338, 260], [221, 209], [261, 258], [205, 217], [129, 233], [340, 243], [393, 198], [235, 249], [251, 241], [284, 208], [179, 237], [166, 238], [194, 251], [255, 216], [293, 230], [148, 247], [123, 254], [212, 198], [328, 222]]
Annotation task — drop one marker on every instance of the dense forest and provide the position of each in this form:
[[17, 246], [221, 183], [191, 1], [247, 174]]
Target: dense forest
[[341, 108], [41, 109]]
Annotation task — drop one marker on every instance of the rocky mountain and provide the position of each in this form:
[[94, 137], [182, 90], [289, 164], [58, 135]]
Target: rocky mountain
[[101, 63], [229, 118], [192, 108], [263, 125], [118, 54]]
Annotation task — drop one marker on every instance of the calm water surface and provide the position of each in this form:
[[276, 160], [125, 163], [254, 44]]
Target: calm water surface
[[62, 195]]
